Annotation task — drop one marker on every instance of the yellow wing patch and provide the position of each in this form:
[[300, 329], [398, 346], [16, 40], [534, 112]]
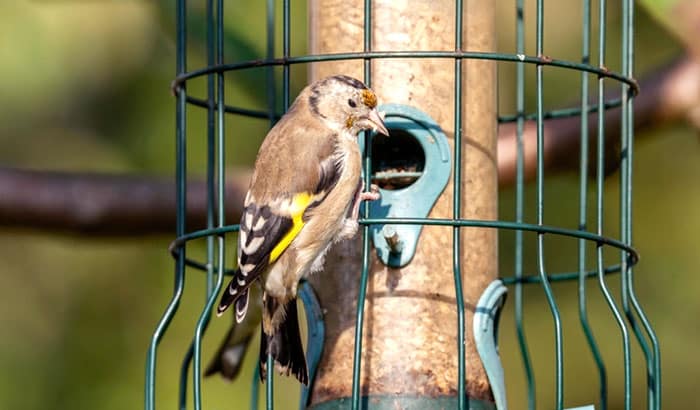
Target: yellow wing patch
[[297, 206]]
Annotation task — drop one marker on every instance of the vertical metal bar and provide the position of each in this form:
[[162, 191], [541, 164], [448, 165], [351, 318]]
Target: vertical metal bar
[[367, 42], [205, 316], [181, 202], [653, 359], [599, 205], [519, 202], [211, 134], [362, 294], [270, 54], [624, 202], [456, 211], [367, 169], [653, 369], [286, 49], [269, 388], [211, 148], [286, 36], [254, 390], [540, 214], [184, 369], [583, 209], [272, 107]]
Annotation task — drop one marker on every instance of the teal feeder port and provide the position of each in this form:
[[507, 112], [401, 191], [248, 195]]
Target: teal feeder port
[[411, 167], [485, 327]]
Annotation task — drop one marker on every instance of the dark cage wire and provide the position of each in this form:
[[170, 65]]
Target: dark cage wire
[[625, 309]]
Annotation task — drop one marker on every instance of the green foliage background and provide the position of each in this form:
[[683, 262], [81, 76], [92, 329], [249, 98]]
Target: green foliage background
[[84, 87]]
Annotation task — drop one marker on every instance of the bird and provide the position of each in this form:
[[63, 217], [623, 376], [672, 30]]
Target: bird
[[304, 195]]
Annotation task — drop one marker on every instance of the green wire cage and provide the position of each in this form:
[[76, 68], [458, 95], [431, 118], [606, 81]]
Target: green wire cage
[[595, 244]]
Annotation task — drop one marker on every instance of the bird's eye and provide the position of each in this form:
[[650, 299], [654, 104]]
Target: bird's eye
[[352, 103]]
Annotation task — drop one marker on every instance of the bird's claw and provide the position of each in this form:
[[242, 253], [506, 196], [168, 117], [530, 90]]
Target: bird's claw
[[371, 195]]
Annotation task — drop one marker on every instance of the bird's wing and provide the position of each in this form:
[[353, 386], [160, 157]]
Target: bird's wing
[[273, 216]]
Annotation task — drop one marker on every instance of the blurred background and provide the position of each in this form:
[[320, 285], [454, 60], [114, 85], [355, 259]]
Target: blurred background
[[84, 87]]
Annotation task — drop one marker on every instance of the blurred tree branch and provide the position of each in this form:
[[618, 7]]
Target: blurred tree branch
[[102, 204], [118, 205], [669, 94]]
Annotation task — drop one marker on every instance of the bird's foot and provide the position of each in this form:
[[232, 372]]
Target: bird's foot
[[371, 195]]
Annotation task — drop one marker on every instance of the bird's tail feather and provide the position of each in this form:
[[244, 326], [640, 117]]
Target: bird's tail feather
[[285, 347], [242, 306], [236, 292]]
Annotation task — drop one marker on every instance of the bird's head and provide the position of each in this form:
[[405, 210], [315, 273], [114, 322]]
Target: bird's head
[[346, 103]]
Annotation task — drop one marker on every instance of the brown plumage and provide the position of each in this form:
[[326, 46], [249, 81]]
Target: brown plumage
[[304, 195]]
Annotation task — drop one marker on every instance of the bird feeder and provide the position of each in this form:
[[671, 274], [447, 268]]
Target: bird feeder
[[413, 322], [406, 315]]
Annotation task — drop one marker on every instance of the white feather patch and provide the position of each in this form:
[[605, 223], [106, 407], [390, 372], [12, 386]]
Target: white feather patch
[[248, 219], [253, 246], [242, 237], [248, 199], [258, 225], [245, 269]]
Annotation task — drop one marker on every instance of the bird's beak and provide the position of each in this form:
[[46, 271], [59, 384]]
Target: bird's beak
[[377, 120]]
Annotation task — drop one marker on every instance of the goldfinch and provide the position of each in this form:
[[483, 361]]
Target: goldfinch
[[304, 195]]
